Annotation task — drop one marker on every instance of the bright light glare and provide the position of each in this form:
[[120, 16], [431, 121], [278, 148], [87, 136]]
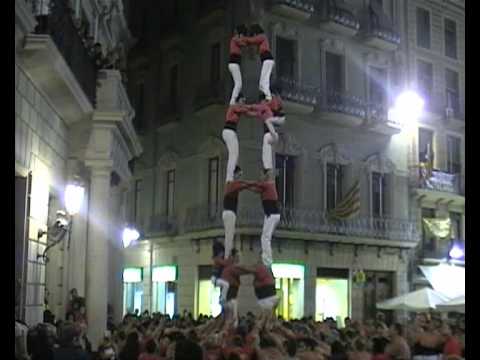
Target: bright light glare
[[291, 271], [129, 235], [456, 252], [74, 198], [408, 108]]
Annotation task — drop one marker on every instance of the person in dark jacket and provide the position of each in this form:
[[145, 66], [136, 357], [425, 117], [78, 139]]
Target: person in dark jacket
[[68, 350]]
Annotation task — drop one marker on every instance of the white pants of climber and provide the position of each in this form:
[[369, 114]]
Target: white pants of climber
[[237, 81], [232, 307], [269, 225], [231, 140], [269, 140], [229, 219], [268, 303], [264, 85], [223, 285]]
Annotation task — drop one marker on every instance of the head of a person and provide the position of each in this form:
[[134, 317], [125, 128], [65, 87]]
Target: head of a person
[[241, 99], [381, 330], [241, 30], [360, 345], [396, 330], [348, 322], [48, 317], [291, 347], [151, 346], [73, 293], [188, 350], [136, 312], [237, 173], [266, 175], [83, 310], [256, 29], [218, 249]]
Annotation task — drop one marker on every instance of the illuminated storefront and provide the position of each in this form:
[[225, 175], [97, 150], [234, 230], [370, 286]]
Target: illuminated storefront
[[289, 283], [132, 289], [208, 295], [332, 295], [165, 289]]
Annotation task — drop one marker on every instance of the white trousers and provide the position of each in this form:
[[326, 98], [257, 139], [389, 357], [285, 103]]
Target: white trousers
[[267, 152], [264, 85], [237, 81], [223, 285], [268, 303], [269, 225], [231, 140], [229, 219], [232, 307]]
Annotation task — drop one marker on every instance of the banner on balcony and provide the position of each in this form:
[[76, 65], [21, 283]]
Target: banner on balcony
[[440, 228], [349, 207], [441, 181]]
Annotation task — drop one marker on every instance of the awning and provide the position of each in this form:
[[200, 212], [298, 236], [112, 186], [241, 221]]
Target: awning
[[419, 301]]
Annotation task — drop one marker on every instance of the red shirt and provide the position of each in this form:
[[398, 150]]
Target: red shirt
[[221, 262], [452, 347], [231, 274], [235, 45], [232, 188], [234, 112], [262, 111], [268, 190], [275, 104], [261, 40], [263, 277]]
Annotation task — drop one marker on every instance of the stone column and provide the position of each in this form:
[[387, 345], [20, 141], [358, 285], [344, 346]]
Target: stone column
[[97, 253], [310, 285]]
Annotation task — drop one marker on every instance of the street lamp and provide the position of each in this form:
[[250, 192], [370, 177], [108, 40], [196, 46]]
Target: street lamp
[[408, 108], [129, 235], [456, 252], [74, 194]]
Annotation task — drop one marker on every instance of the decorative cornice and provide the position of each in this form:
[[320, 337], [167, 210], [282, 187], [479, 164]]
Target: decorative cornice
[[168, 160], [379, 163], [211, 147], [333, 153]]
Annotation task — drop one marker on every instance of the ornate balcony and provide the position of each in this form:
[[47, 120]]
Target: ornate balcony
[[342, 109], [379, 121], [378, 31], [440, 187], [295, 9], [163, 225], [298, 97], [338, 19], [60, 64], [307, 221]]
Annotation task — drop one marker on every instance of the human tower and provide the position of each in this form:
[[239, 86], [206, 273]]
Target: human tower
[[227, 272]]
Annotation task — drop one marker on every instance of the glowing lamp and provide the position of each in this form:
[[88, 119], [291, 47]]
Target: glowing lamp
[[74, 198], [456, 252], [408, 108], [129, 235]]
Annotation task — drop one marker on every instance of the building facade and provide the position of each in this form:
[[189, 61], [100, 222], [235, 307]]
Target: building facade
[[73, 122], [341, 65]]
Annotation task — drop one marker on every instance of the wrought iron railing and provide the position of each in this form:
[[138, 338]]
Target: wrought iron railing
[[343, 103], [59, 25], [304, 5], [310, 221], [343, 17], [297, 92], [378, 25]]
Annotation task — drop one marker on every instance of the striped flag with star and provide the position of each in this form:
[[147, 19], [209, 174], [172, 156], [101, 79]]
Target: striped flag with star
[[349, 206]]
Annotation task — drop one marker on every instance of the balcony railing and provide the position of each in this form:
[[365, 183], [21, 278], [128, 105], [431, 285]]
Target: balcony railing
[[342, 17], [310, 221], [163, 224], [308, 6], [378, 25], [342, 103], [56, 21], [438, 181], [297, 92]]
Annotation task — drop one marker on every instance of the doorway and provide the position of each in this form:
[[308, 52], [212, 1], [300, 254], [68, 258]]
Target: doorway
[[289, 284]]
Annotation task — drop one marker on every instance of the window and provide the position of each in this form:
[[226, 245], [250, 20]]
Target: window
[[213, 177], [425, 144], [427, 240], [285, 166], [335, 72], [453, 98], [285, 58], [174, 88], [132, 290], [450, 38], [423, 28], [331, 294], [379, 194], [139, 106], [164, 289], [137, 200], [215, 63], [378, 85], [208, 295], [456, 220], [454, 164], [334, 185], [170, 203], [425, 80]]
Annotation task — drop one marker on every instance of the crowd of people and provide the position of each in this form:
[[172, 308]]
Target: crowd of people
[[159, 337]]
